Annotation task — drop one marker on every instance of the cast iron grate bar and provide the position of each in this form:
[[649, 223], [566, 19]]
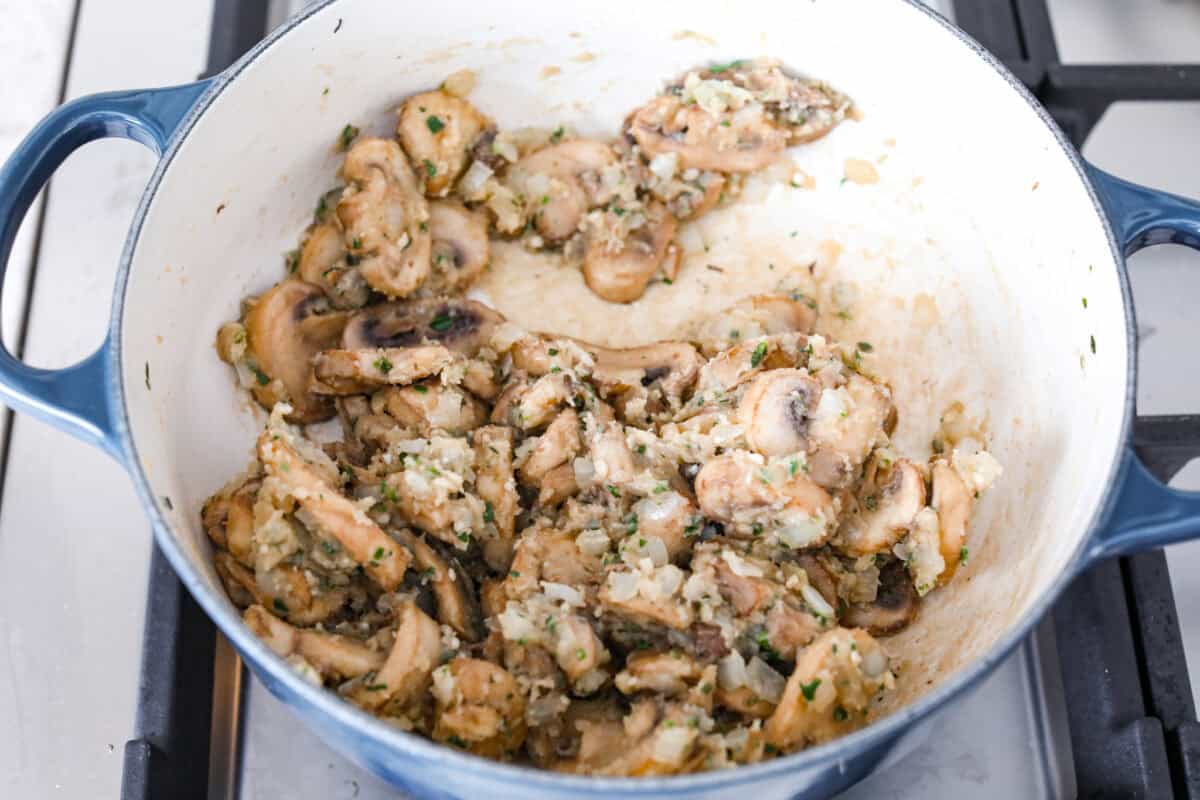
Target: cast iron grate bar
[[170, 758]]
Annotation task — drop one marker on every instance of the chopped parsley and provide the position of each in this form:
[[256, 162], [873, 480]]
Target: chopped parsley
[[870, 503], [376, 687], [793, 465], [551, 624], [388, 491], [580, 654], [512, 573], [938, 446], [770, 749], [631, 524], [641, 448], [706, 688], [419, 389], [383, 365], [430, 167], [840, 715], [756, 529], [1093, 338], [557, 135], [347, 136], [434, 124], [457, 741], [260, 376], [760, 352], [378, 554], [329, 547], [962, 555], [866, 347], [719, 68], [809, 690], [662, 487], [553, 351], [279, 605], [441, 322], [489, 513], [614, 491], [1085, 302], [464, 536]]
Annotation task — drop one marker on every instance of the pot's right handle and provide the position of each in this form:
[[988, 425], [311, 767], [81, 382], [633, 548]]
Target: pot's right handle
[[78, 398], [1147, 513]]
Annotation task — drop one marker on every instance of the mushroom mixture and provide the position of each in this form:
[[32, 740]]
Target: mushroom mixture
[[643, 561]]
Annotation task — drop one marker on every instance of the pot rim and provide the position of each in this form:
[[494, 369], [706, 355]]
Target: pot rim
[[878, 734]]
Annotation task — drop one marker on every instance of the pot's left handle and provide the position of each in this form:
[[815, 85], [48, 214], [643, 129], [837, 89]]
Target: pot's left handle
[[77, 399], [1147, 513]]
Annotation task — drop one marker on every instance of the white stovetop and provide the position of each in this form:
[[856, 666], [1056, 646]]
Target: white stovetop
[[74, 548]]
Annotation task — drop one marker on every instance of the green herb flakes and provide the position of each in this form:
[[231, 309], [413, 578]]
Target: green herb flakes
[[441, 322], [434, 124], [430, 167], [346, 137], [760, 352], [383, 365], [809, 690]]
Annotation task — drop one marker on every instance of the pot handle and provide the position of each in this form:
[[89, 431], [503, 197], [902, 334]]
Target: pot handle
[[76, 399], [1146, 513]]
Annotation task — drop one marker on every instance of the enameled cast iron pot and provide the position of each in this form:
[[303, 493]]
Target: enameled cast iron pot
[[971, 256]]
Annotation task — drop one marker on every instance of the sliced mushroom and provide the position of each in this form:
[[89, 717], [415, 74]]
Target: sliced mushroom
[[557, 485], [323, 262], [557, 446], [458, 324], [285, 330], [451, 586], [846, 425], [893, 497], [730, 368], [228, 520], [359, 371], [283, 588], [843, 669], [438, 131], [579, 652], [895, 604], [385, 218], [544, 553], [669, 516], [384, 560], [745, 140], [612, 461], [538, 403], [671, 673], [495, 485], [657, 376], [758, 315], [479, 378], [334, 656], [405, 675], [733, 488], [776, 411], [618, 269], [952, 501], [550, 181], [479, 707], [429, 406], [461, 248]]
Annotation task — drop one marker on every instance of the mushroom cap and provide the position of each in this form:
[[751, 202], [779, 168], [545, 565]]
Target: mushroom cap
[[895, 604], [743, 141], [367, 369], [892, 498], [438, 131], [284, 333], [455, 323], [461, 248], [385, 218], [776, 410], [953, 501], [669, 366], [620, 275], [549, 179]]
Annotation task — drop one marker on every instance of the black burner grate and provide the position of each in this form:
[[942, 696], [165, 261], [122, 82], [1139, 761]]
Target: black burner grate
[[1133, 724]]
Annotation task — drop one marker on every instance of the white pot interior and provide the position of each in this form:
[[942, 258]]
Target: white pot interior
[[967, 262]]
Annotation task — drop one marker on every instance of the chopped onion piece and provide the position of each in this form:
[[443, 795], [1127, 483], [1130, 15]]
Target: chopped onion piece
[[816, 601], [740, 566], [593, 542], [560, 591], [672, 744], [622, 586], [731, 671]]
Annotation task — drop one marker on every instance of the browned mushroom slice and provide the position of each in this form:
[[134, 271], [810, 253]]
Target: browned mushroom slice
[[658, 375], [544, 553], [358, 371], [334, 656], [618, 269], [742, 141], [556, 183], [557, 485], [895, 604], [430, 406], [952, 501], [495, 485], [229, 520], [736, 489], [458, 324], [284, 330], [385, 218], [455, 598], [842, 669], [892, 497], [777, 410], [668, 516], [479, 707], [670, 673], [730, 368], [323, 263], [283, 588], [384, 560], [461, 248], [557, 446], [758, 315], [845, 427], [438, 131], [405, 675]]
